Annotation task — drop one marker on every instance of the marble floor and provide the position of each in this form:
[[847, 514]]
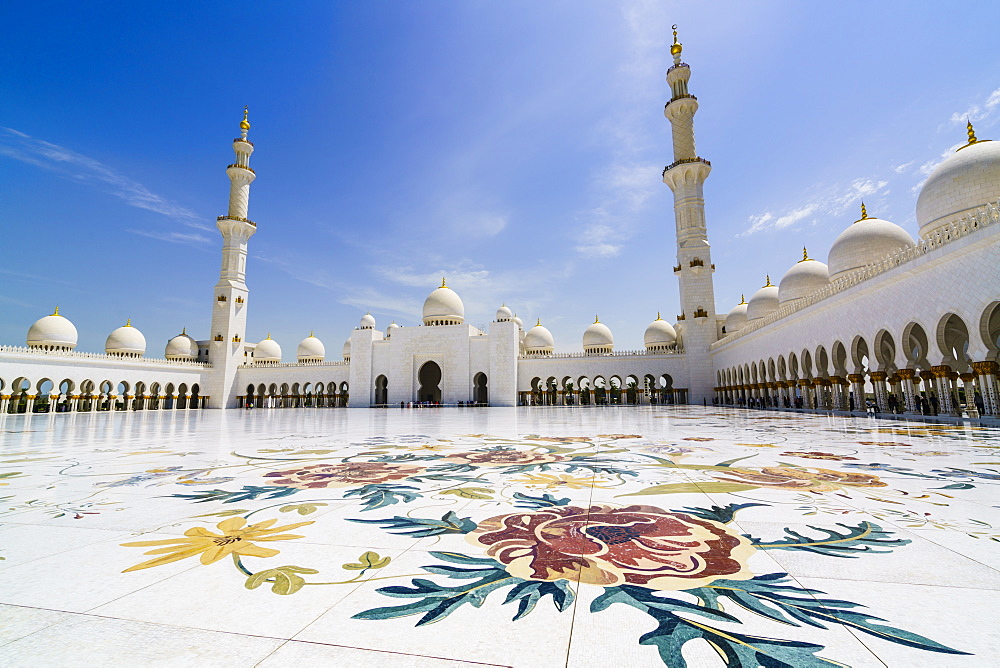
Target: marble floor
[[620, 536]]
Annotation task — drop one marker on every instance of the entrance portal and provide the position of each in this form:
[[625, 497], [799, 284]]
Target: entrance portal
[[430, 379], [480, 391]]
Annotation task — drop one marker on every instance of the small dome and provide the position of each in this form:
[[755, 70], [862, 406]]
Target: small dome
[[597, 338], [347, 350], [367, 321], [181, 347], [444, 307], [737, 317], [868, 240], [804, 278], [538, 340], [968, 179], [520, 323], [310, 350], [504, 314], [126, 341], [659, 335], [267, 352], [763, 302], [390, 329], [53, 332]]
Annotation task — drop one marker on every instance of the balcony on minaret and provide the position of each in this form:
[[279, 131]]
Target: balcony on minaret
[[242, 220], [239, 166]]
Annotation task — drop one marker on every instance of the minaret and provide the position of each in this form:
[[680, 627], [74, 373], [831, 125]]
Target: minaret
[[686, 177], [229, 315]]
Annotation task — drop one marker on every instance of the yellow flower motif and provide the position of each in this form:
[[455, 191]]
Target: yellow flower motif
[[433, 447], [551, 481], [234, 539]]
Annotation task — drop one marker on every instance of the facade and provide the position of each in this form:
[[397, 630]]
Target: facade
[[828, 336]]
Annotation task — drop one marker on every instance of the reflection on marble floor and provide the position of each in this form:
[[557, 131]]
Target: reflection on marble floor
[[650, 536]]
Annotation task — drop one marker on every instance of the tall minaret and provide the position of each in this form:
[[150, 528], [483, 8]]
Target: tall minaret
[[229, 311], [686, 177]]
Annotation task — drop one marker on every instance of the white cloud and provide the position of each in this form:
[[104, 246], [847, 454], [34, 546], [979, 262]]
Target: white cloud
[[899, 169], [174, 236], [20, 146], [978, 111], [832, 203]]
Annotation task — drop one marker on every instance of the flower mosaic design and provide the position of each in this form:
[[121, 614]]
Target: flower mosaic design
[[820, 455], [502, 457], [557, 480], [348, 474], [605, 545], [787, 477], [235, 539]]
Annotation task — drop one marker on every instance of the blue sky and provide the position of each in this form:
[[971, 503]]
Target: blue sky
[[514, 147]]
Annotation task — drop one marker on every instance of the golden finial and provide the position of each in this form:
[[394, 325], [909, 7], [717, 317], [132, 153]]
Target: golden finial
[[268, 336], [128, 322], [443, 285], [312, 334], [768, 284], [658, 316], [864, 212], [56, 312], [596, 320], [245, 124], [539, 323], [972, 133], [743, 300], [676, 47], [184, 331], [805, 255]]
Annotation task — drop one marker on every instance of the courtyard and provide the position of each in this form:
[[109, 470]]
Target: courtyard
[[587, 536]]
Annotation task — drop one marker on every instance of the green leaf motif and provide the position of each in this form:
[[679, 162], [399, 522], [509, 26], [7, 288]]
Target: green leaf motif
[[865, 537], [693, 488], [225, 513], [302, 508], [379, 496], [248, 493], [471, 492], [368, 560], [720, 514], [422, 528], [284, 580], [544, 501]]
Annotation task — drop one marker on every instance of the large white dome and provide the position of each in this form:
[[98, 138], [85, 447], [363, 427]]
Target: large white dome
[[763, 302], [539, 340], [53, 332], [310, 349], [598, 338], [868, 240], [181, 347], [126, 341], [267, 352], [659, 335], [965, 181], [444, 307], [390, 329], [504, 314], [367, 321], [737, 317], [804, 278]]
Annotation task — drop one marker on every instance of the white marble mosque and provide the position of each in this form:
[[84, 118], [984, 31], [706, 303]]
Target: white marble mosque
[[831, 336]]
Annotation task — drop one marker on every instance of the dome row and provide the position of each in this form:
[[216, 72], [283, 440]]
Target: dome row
[[56, 332], [598, 339]]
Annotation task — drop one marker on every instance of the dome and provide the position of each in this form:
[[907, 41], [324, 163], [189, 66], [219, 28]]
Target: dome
[[444, 307], [764, 301], [659, 335], [539, 340], [367, 321], [520, 323], [347, 350], [737, 317], [504, 314], [966, 180], [310, 350], [267, 352], [597, 338], [53, 332], [390, 329], [181, 347], [804, 278], [126, 341], [868, 240]]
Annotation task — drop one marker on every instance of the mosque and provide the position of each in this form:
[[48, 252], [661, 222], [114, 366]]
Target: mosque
[[912, 325]]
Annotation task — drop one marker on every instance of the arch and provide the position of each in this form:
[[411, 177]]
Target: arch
[[586, 389], [807, 366], [839, 358], [822, 362], [182, 396], [381, 390], [793, 366], [859, 354], [195, 396], [953, 342], [782, 368], [139, 402], [429, 377], [989, 330], [154, 397], [480, 389], [885, 351]]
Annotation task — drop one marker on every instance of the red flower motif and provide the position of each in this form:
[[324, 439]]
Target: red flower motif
[[349, 474], [608, 545], [502, 458], [786, 477]]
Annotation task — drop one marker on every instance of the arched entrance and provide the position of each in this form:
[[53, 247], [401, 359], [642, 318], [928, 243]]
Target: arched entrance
[[429, 377], [381, 391], [480, 393]]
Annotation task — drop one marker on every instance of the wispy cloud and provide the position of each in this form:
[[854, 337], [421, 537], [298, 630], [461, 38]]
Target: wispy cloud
[[978, 111], [46, 155], [832, 203], [175, 237], [625, 189]]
